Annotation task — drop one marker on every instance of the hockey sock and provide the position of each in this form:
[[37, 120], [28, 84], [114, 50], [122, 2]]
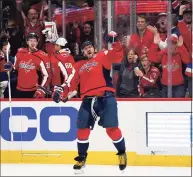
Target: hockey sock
[[118, 140], [82, 149], [83, 142], [120, 145]]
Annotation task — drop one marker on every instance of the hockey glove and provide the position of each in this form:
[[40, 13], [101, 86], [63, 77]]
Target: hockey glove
[[8, 66], [112, 37], [58, 93], [39, 93]]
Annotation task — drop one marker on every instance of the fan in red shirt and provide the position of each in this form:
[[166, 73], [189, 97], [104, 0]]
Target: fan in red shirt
[[28, 62], [143, 39], [185, 27], [34, 24], [149, 79], [97, 92], [179, 55], [62, 64]]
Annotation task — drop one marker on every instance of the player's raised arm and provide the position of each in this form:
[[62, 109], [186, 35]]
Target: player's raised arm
[[115, 54]]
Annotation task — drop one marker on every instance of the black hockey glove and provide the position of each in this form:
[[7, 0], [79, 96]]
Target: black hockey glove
[[112, 37], [58, 93], [8, 66]]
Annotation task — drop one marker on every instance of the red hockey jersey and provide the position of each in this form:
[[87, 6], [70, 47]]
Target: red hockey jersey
[[94, 74], [149, 80], [181, 55], [27, 64], [62, 62]]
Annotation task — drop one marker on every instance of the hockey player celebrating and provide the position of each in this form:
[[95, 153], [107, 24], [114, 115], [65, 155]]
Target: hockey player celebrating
[[97, 92]]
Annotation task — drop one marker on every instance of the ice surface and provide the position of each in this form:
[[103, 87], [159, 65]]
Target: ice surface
[[90, 170]]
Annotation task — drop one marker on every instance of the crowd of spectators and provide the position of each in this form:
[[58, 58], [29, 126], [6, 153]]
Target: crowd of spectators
[[143, 72]]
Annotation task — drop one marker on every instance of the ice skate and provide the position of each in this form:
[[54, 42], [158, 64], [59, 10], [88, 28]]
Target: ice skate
[[78, 167], [122, 161]]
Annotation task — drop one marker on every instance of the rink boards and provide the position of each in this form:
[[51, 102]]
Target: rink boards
[[157, 133]]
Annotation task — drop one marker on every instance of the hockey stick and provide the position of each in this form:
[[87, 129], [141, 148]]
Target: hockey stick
[[72, 94], [9, 89]]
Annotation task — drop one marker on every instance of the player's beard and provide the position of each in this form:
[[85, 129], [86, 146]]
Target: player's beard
[[90, 55]]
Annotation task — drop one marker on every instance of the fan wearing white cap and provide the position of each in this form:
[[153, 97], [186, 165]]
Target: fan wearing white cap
[[62, 63]]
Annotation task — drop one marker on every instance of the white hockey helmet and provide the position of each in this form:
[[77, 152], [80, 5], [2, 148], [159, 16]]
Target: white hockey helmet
[[61, 41]]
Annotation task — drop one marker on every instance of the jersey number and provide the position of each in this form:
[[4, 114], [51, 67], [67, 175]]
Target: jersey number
[[68, 65]]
